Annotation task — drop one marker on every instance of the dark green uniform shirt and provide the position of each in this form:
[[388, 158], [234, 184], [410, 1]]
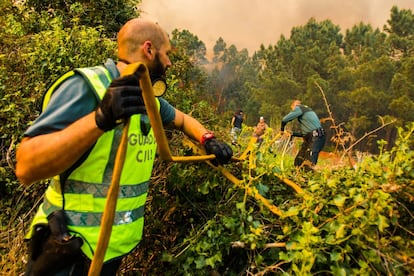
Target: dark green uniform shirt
[[309, 121]]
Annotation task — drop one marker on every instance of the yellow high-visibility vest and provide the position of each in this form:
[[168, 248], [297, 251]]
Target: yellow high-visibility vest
[[86, 187]]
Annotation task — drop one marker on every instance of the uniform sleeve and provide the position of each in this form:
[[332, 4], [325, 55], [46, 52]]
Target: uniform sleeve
[[72, 100], [167, 111], [295, 113]]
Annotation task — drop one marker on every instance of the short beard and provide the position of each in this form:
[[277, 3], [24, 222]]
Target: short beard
[[156, 69]]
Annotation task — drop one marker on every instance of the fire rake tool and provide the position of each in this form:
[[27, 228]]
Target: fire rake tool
[[165, 154]]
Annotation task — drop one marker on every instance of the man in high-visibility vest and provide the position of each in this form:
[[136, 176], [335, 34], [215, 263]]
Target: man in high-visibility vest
[[74, 142]]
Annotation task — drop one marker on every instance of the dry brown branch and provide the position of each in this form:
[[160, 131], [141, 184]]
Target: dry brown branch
[[272, 268], [9, 154], [12, 242], [239, 244], [341, 137], [383, 124]]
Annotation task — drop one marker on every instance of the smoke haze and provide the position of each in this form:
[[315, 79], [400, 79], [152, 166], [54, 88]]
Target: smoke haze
[[250, 23]]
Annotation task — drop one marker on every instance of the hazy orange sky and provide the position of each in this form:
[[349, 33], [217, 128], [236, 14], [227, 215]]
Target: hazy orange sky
[[249, 23]]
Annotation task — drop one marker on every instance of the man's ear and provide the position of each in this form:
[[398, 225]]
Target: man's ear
[[148, 50]]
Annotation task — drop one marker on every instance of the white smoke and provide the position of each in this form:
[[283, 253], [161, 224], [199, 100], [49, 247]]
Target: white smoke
[[249, 23]]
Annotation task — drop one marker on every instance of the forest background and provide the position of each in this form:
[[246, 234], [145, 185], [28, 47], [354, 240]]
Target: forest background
[[360, 81]]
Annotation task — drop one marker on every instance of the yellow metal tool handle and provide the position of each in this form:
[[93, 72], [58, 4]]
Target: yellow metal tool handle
[[110, 206], [164, 152], [111, 200], [238, 182], [155, 118]]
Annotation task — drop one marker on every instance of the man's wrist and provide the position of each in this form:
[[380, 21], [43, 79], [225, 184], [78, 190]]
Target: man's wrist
[[206, 136]]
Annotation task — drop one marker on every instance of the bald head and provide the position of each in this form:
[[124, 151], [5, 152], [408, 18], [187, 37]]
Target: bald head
[[134, 34], [295, 103]]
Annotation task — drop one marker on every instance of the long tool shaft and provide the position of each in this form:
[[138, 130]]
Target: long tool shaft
[[163, 150], [110, 206]]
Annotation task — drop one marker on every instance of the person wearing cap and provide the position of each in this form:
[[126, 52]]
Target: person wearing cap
[[311, 130], [74, 141], [260, 129]]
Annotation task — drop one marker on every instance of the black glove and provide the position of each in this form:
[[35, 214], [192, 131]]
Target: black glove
[[221, 150], [282, 126], [123, 99]]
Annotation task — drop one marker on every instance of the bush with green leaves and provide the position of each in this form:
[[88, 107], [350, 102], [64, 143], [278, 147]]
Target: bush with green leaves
[[348, 220], [35, 62]]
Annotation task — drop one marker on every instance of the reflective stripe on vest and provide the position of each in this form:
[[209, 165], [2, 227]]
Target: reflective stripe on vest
[[94, 218], [87, 185]]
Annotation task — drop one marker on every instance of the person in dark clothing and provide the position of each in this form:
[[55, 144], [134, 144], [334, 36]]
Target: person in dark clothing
[[236, 126], [311, 130]]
